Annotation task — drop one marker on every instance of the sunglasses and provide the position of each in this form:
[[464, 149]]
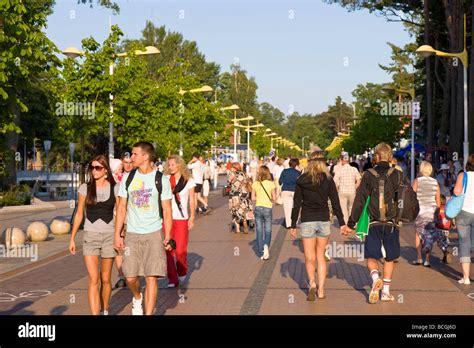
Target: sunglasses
[[97, 168]]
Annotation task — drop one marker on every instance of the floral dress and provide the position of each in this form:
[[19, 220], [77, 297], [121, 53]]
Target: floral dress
[[240, 203]]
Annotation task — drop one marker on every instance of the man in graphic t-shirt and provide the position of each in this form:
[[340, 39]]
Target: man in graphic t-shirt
[[144, 244]]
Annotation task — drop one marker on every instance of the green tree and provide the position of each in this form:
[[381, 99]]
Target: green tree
[[25, 53]]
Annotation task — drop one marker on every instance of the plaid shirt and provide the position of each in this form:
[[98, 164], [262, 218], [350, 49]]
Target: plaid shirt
[[345, 178]]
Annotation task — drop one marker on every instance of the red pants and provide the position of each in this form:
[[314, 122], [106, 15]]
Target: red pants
[[180, 233]]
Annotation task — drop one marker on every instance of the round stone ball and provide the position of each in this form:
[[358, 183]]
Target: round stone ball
[[37, 231], [13, 237], [59, 227]]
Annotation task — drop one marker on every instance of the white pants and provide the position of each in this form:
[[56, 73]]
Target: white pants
[[287, 198], [346, 200]]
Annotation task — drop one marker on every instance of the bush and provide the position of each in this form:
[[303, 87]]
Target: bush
[[19, 195]]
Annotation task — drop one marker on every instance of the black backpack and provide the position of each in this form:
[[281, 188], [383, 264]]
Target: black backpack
[[407, 206], [159, 186]]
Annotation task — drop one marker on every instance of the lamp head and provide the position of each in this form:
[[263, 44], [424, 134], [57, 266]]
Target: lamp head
[[73, 52], [425, 50]]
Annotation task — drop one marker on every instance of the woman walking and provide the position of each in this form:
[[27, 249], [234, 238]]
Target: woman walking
[[182, 186], [313, 189], [288, 183], [465, 219], [97, 201], [264, 193], [239, 202], [428, 195]]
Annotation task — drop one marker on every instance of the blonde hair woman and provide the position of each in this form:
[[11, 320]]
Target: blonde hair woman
[[429, 198], [182, 187], [313, 189]]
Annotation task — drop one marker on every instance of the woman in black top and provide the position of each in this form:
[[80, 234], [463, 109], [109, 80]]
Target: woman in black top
[[97, 200], [313, 189]]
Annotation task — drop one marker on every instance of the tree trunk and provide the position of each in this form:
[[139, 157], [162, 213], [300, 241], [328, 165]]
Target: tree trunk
[[471, 86], [454, 21], [429, 88], [11, 146]]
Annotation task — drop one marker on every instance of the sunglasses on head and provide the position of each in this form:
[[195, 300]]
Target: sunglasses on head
[[97, 168]]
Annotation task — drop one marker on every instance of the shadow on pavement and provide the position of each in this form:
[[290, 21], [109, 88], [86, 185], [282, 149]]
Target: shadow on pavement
[[58, 310], [288, 269], [356, 270], [19, 309]]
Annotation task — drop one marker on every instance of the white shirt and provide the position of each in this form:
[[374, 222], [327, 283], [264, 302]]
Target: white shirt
[[276, 172], [469, 196], [197, 169], [286, 164], [184, 197]]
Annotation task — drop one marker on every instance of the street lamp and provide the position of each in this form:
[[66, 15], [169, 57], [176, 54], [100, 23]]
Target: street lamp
[[426, 51], [411, 93], [272, 136], [233, 107], [354, 109], [72, 146], [248, 133], [182, 92], [302, 143], [73, 52], [47, 147]]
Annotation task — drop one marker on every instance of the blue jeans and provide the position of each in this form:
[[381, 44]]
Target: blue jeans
[[263, 224], [465, 224]]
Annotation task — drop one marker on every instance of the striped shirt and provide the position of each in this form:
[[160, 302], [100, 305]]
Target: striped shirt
[[426, 192]]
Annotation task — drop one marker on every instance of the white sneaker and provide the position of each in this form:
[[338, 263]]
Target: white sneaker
[[137, 308], [182, 278], [105, 312], [464, 281], [266, 254], [171, 285]]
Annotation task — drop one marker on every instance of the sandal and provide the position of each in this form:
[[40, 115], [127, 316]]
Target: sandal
[[374, 292], [387, 297], [317, 291], [311, 293], [417, 262]]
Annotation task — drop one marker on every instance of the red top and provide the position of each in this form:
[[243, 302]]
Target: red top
[[443, 222]]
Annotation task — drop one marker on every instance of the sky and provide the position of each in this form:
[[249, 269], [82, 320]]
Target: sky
[[302, 53]]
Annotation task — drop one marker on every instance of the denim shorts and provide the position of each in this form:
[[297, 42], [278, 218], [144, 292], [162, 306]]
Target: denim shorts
[[313, 229]]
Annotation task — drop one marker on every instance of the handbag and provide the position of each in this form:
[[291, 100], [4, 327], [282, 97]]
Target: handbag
[[362, 229], [455, 204]]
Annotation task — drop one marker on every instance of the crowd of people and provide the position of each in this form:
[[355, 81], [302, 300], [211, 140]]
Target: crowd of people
[[138, 212]]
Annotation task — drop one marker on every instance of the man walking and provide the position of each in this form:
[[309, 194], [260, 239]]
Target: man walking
[[347, 180], [146, 199], [383, 240]]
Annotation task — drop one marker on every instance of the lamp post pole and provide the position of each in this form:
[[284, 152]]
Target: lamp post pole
[[71, 152], [47, 147]]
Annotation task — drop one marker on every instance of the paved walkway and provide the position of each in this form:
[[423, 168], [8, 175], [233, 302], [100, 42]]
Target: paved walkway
[[226, 277]]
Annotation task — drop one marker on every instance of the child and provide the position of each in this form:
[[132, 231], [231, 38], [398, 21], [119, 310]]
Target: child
[[443, 225], [264, 192]]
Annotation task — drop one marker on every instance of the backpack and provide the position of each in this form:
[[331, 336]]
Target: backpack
[[408, 205], [159, 187], [407, 208]]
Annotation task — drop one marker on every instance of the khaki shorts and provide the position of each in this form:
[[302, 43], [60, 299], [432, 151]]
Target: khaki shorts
[[144, 255], [98, 244]]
